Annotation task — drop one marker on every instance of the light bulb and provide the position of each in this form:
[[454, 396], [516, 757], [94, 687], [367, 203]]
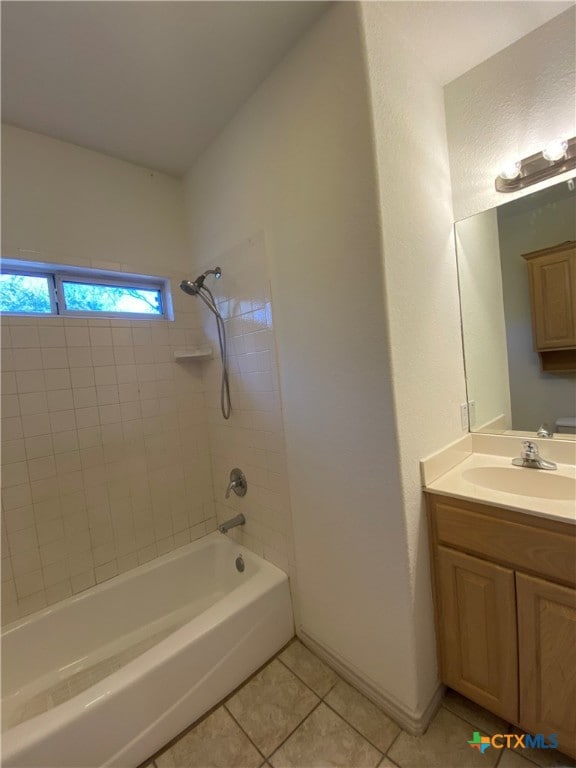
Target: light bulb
[[555, 150], [511, 169]]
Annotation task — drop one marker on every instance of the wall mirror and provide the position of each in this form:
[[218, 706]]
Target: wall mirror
[[507, 388]]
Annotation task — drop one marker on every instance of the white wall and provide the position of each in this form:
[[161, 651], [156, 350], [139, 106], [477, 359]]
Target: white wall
[[483, 325], [104, 438], [421, 299], [83, 206], [296, 163], [511, 104]]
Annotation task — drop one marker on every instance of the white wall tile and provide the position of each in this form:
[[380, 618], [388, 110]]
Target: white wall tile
[[60, 400], [77, 337], [58, 378], [9, 383], [65, 441], [17, 496], [80, 357], [51, 337], [32, 403], [54, 357], [42, 468], [25, 337], [13, 451], [24, 359], [12, 428], [100, 337], [25, 562], [9, 405], [88, 393]]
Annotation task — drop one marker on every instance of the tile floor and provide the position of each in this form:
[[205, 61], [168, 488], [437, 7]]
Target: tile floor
[[296, 712]]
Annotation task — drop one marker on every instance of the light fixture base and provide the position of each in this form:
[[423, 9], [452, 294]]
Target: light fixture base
[[536, 168]]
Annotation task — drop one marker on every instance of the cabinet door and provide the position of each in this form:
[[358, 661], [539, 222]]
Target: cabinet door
[[477, 631], [553, 288], [547, 651]]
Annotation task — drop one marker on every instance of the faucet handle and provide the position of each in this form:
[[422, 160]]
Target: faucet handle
[[238, 483], [529, 450]]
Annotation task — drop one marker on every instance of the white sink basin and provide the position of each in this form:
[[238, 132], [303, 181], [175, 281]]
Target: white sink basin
[[544, 484]]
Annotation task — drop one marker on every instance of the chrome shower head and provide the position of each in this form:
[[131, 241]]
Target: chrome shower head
[[189, 287], [193, 287]]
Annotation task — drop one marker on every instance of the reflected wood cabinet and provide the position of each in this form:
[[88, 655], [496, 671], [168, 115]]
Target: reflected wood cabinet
[[552, 277], [505, 604]]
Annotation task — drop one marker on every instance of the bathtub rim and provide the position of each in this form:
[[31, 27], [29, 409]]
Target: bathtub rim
[[132, 573], [267, 577]]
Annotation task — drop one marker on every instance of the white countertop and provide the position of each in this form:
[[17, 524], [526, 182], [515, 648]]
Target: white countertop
[[454, 483]]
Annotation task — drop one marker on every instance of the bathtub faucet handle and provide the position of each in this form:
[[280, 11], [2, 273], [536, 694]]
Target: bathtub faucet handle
[[238, 483]]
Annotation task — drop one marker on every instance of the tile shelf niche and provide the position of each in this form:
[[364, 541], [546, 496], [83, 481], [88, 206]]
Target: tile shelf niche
[[197, 353]]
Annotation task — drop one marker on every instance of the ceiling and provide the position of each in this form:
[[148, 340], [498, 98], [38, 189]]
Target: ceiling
[[149, 82], [154, 82]]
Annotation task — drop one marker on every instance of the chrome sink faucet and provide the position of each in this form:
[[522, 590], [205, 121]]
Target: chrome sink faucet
[[530, 457]]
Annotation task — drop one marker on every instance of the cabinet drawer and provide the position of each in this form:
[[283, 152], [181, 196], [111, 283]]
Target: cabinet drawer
[[514, 543]]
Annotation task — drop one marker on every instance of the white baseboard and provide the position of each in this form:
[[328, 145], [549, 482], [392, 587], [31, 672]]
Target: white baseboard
[[414, 723]]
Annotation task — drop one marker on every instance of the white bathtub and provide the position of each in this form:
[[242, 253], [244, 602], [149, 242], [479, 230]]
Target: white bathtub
[[109, 676]]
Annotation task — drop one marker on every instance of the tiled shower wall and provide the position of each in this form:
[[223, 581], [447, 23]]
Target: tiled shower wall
[[104, 453], [253, 438]]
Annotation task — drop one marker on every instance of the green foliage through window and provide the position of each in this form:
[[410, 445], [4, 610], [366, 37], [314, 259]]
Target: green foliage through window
[[46, 290], [24, 293], [93, 297]]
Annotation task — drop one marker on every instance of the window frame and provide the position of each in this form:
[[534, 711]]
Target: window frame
[[57, 274]]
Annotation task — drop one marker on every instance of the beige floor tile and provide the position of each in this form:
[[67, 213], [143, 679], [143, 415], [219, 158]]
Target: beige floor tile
[[216, 742], [512, 759], [309, 668], [444, 745], [485, 721], [271, 705], [365, 716], [546, 758], [387, 763], [324, 740]]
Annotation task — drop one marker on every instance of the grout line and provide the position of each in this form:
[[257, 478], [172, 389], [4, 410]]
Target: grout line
[[338, 680], [360, 732], [294, 729], [394, 740], [296, 675], [245, 734], [221, 703]]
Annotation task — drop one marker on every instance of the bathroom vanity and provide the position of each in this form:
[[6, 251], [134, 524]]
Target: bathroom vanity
[[504, 584]]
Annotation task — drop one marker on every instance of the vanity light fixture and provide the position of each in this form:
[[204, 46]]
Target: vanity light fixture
[[558, 156], [555, 150]]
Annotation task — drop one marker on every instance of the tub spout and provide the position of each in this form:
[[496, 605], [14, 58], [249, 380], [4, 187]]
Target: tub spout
[[232, 523]]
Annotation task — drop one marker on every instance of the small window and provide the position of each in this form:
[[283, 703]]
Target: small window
[[80, 292], [83, 296], [26, 294]]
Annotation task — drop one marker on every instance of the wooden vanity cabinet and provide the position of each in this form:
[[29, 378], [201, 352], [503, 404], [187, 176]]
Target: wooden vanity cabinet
[[478, 647], [505, 604], [552, 278], [547, 662]]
